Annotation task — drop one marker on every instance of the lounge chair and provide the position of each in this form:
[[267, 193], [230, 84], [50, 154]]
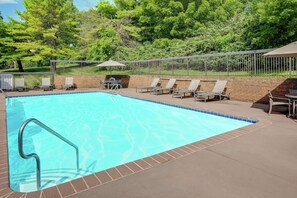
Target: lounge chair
[[278, 101], [191, 89], [149, 88], [69, 83], [167, 89], [46, 84], [217, 91], [19, 84]]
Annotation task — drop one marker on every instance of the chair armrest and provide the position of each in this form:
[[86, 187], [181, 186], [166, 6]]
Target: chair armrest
[[280, 98]]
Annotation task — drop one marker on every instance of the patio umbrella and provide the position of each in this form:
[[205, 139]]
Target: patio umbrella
[[289, 50], [111, 63]]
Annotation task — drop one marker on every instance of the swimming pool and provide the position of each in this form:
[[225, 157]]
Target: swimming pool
[[108, 129]]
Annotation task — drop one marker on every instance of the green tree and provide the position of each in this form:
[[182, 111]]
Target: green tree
[[158, 19], [142, 29], [271, 23], [217, 10], [126, 4], [16, 43], [90, 25], [100, 36], [216, 37], [3, 35], [106, 9], [48, 30], [179, 19], [2, 27]]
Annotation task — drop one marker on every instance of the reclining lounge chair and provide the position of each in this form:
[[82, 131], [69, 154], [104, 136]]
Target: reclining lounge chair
[[69, 83], [217, 91], [19, 84], [46, 84], [167, 89], [191, 89], [149, 88]]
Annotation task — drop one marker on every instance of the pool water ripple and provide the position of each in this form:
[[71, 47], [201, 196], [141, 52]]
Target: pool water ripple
[[109, 130]]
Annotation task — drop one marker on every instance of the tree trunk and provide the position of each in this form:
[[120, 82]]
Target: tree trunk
[[53, 66], [20, 66]]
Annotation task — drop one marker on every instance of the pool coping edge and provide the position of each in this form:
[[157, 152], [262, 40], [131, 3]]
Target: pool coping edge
[[103, 177]]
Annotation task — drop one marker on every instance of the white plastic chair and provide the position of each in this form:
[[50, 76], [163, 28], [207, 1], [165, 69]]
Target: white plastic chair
[[19, 84], [68, 83]]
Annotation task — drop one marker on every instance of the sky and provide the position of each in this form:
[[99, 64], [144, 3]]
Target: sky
[[8, 7]]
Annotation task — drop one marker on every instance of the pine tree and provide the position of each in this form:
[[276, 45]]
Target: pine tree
[[3, 35], [48, 30]]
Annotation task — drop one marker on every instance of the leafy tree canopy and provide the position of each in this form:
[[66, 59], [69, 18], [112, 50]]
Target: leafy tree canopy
[[106, 9], [143, 29], [48, 30], [271, 23]]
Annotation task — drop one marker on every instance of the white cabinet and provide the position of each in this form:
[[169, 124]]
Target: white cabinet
[[6, 81]]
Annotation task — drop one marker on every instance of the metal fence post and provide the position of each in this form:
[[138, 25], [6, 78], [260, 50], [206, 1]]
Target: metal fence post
[[172, 67], [290, 67], [296, 66], [159, 66], [188, 67], [205, 67], [227, 65], [255, 64]]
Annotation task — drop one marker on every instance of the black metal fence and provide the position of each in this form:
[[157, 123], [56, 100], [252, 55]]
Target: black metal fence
[[245, 63]]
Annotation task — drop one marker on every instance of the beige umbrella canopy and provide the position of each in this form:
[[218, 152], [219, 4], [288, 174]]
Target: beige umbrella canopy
[[111, 63], [289, 50]]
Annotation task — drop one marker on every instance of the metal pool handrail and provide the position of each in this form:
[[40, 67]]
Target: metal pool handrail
[[34, 155], [4, 93]]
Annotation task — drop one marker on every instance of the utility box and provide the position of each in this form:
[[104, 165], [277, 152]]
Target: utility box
[[6, 81]]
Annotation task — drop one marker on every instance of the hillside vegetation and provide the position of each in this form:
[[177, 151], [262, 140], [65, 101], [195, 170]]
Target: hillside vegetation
[[143, 29]]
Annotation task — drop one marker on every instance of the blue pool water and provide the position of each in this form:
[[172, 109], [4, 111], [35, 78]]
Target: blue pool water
[[108, 129]]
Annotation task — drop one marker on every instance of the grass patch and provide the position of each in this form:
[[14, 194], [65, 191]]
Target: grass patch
[[30, 69], [75, 69]]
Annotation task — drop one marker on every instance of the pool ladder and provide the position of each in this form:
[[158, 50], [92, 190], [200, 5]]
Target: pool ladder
[[34, 155]]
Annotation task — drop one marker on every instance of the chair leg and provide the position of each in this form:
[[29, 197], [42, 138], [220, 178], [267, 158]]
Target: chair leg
[[294, 108], [270, 108]]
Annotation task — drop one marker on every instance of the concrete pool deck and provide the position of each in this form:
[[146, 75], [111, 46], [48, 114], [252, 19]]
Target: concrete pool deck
[[261, 161]]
